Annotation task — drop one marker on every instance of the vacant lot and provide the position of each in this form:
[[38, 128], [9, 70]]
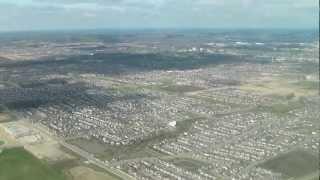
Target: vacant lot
[[84, 173], [188, 164], [108, 152], [282, 87], [49, 151], [180, 88], [293, 164], [18, 164]]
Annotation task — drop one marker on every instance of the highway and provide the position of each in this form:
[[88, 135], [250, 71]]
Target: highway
[[96, 161]]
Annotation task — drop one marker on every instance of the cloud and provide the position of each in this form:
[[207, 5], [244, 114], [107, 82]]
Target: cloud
[[106, 3], [46, 14]]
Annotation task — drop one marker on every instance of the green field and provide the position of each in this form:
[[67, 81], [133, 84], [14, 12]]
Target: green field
[[180, 88], [307, 84], [188, 164], [295, 164], [18, 164], [312, 176], [108, 152]]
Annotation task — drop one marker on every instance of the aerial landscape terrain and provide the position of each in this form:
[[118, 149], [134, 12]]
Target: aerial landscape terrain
[[159, 104]]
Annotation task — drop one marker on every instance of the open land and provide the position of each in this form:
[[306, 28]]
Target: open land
[[18, 164]]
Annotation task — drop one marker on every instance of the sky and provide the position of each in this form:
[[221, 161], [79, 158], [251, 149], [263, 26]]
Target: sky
[[21, 15]]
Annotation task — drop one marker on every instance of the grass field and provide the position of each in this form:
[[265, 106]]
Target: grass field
[[295, 164], [312, 176], [108, 152], [84, 173], [18, 164], [180, 88], [284, 108], [282, 87], [188, 164]]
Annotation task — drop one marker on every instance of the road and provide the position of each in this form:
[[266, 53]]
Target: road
[[96, 161]]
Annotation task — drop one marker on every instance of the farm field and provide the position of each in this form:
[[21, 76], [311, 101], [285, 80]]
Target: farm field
[[26, 167]]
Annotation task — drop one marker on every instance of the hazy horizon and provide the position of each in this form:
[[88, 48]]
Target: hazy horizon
[[34, 15], [163, 29]]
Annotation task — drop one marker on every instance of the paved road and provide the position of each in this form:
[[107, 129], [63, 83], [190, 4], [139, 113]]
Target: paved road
[[96, 161]]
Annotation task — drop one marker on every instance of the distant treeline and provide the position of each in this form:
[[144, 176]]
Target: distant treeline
[[117, 63]]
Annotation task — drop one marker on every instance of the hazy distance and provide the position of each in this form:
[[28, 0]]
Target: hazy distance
[[21, 15]]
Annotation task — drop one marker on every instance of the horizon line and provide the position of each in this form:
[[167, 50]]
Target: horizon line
[[158, 29]]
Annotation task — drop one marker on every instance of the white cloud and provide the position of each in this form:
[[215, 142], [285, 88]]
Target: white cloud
[[157, 13]]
